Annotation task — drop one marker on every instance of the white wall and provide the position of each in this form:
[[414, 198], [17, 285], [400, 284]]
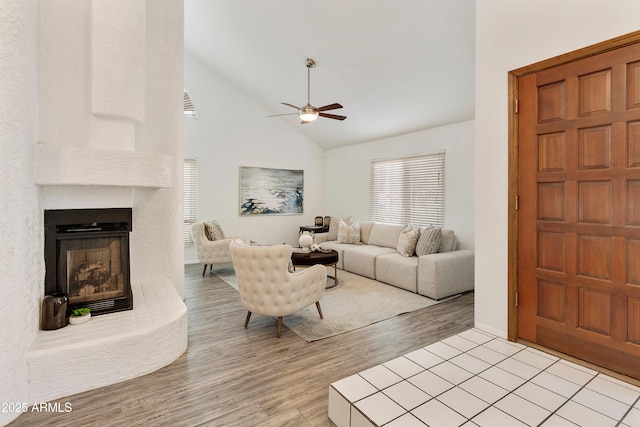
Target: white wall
[[21, 261], [511, 34], [232, 130], [348, 168]]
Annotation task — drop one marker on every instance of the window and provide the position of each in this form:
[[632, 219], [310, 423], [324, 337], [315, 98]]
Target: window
[[190, 198], [189, 106], [409, 190]]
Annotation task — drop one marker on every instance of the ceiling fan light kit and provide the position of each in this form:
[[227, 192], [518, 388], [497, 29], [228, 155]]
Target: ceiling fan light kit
[[309, 113]]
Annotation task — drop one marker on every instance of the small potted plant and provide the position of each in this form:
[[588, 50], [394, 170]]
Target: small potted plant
[[80, 315]]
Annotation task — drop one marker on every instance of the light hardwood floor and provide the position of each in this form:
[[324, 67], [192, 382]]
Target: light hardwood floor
[[231, 376]]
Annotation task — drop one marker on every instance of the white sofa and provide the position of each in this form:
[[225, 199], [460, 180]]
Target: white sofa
[[437, 275]]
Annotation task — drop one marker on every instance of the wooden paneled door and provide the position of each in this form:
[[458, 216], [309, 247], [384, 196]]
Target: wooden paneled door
[[578, 208]]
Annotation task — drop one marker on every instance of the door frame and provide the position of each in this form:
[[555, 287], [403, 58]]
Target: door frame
[[513, 76]]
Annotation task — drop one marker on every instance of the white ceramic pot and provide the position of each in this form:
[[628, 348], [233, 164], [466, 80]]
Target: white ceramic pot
[[305, 240], [79, 320]]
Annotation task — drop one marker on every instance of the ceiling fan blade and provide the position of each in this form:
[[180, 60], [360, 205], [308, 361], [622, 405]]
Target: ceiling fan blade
[[283, 114], [332, 116], [330, 107], [290, 105]]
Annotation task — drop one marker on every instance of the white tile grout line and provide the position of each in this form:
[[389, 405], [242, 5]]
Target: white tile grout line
[[556, 360]]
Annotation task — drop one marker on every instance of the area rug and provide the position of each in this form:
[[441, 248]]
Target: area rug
[[356, 302]]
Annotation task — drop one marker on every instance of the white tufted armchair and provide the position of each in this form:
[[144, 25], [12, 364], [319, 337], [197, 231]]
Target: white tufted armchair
[[210, 251], [267, 287]]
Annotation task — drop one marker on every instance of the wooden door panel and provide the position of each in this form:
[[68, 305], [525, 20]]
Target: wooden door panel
[[634, 320], [633, 138], [633, 85], [579, 209], [594, 93], [594, 148]]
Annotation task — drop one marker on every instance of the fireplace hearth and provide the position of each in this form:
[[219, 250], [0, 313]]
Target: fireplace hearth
[[87, 257]]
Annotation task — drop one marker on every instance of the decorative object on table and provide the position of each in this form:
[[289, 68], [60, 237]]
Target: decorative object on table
[[305, 240], [80, 315], [54, 311], [326, 221], [318, 220], [266, 191]]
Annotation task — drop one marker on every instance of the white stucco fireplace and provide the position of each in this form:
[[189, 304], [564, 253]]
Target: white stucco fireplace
[[123, 344], [97, 127]]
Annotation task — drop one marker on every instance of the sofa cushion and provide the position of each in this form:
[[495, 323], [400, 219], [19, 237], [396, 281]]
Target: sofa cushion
[[398, 270], [333, 228], [446, 274], [429, 241], [349, 233], [362, 259], [385, 235], [407, 240], [447, 241], [365, 231]]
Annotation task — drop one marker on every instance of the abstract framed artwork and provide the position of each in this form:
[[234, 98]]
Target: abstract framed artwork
[[267, 191]]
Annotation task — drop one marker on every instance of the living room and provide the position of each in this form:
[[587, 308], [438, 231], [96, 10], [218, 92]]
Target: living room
[[336, 181], [507, 37]]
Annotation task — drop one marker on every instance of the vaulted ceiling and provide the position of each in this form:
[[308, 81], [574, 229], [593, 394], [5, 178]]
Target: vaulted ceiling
[[396, 67]]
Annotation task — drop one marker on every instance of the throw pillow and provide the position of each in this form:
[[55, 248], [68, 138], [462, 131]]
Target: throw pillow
[[429, 241], [349, 233], [334, 226], [213, 231], [407, 240]]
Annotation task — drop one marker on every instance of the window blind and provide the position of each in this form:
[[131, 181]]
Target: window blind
[[190, 198], [189, 106], [408, 190]]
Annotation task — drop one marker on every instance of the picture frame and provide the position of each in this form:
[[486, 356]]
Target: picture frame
[[270, 191]]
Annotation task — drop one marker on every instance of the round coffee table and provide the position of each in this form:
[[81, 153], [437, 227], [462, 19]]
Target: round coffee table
[[307, 259]]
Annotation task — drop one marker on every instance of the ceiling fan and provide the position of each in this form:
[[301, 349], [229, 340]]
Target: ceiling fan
[[309, 113]]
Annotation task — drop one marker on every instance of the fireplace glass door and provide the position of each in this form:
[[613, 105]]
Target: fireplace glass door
[[92, 269]]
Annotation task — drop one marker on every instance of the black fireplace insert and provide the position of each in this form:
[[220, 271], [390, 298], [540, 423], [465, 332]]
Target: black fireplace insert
[[87, 257]]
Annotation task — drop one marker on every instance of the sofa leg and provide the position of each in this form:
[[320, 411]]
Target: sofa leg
[[246, 322], [319, 309], [205, 270], [279, 330]]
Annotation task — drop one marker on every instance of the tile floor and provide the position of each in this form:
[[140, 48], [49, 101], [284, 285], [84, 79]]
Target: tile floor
[[477, 379]]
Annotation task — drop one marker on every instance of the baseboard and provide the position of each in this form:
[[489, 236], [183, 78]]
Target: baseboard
[[490, 330]]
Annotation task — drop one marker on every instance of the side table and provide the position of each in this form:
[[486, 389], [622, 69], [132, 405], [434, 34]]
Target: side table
[[314, 228]]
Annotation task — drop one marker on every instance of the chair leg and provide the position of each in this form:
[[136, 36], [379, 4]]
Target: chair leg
[[279, 330], [319, 309], [246, 322], [205, 270]]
